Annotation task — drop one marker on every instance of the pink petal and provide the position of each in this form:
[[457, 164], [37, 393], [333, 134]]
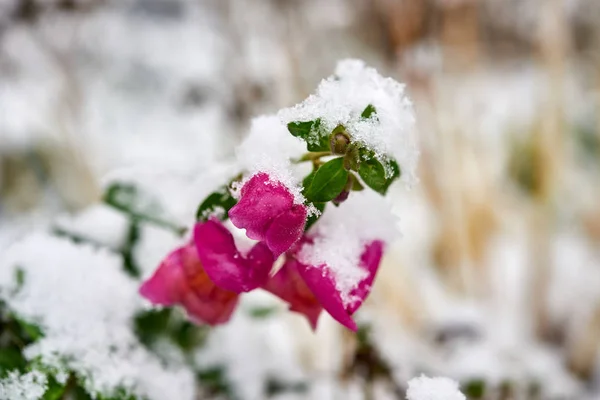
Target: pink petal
[[180, 279], [290, 287], [167, 283], [224, 264], [321, 283], [261, 201], [370, 260], [286, 229]]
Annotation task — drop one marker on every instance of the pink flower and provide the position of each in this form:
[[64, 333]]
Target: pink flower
[[290, 287], [267, 211], [320, 283], [181, 280], [225, 265]]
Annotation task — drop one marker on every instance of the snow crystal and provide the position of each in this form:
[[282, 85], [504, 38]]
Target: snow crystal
[[29, 386], [341, 234], [341, 99], [85, 303], [424, 388], [269, 147]]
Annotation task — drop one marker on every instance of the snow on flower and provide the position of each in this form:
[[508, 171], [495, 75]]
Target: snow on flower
[[267, 211], [269, 148], [343, 240], [320, 281]]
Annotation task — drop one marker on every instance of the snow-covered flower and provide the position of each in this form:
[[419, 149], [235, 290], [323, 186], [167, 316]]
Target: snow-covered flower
[[267, 211], [310, 288]]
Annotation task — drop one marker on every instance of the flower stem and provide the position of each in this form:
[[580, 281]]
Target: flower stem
[[313, 156]]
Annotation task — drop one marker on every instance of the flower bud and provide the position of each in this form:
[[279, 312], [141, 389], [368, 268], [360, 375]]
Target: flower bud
[[339, 140]]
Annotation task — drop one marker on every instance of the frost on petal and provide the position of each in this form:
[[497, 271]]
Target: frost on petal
[[261, 201], [291, 288], [224, 264], [369, 261], [286, 229], [339, 237], [181, 279], [322, 283]]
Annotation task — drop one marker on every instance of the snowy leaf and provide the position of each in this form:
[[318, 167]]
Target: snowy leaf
[[310, 132], [315, 217], [368, 112], [216, 204]]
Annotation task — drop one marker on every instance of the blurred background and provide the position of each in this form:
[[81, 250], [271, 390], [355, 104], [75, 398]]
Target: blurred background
[[496, 281]]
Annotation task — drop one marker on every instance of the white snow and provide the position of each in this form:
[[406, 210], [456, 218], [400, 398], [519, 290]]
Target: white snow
[[269, 147], [84, 303], [341, 234], [424, 388], [29, 386], [341, 98]]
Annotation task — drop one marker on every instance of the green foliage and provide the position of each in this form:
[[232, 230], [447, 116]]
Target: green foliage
[[127, 251], [262, 312], [152, 325], [474, 389], [312, 133], [137, 205], [374, 173], [314, 218], [368, 112], [327, 182], [55, 389], [11, 358], [215, 383], [216, 204]]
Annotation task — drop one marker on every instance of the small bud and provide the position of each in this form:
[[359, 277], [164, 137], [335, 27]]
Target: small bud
[[339, 140]]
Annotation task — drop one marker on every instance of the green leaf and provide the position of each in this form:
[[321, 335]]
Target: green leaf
[[11, 358], [314, 218], [368, 112], [372, 173], [190, 336], [328, 181], [139, 205], [312, 133], [396, 172], [475, 389], [214, 381], [262, 312], [151, 325], [216, 204], [356, 185], [30, 332], [54, 391]]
